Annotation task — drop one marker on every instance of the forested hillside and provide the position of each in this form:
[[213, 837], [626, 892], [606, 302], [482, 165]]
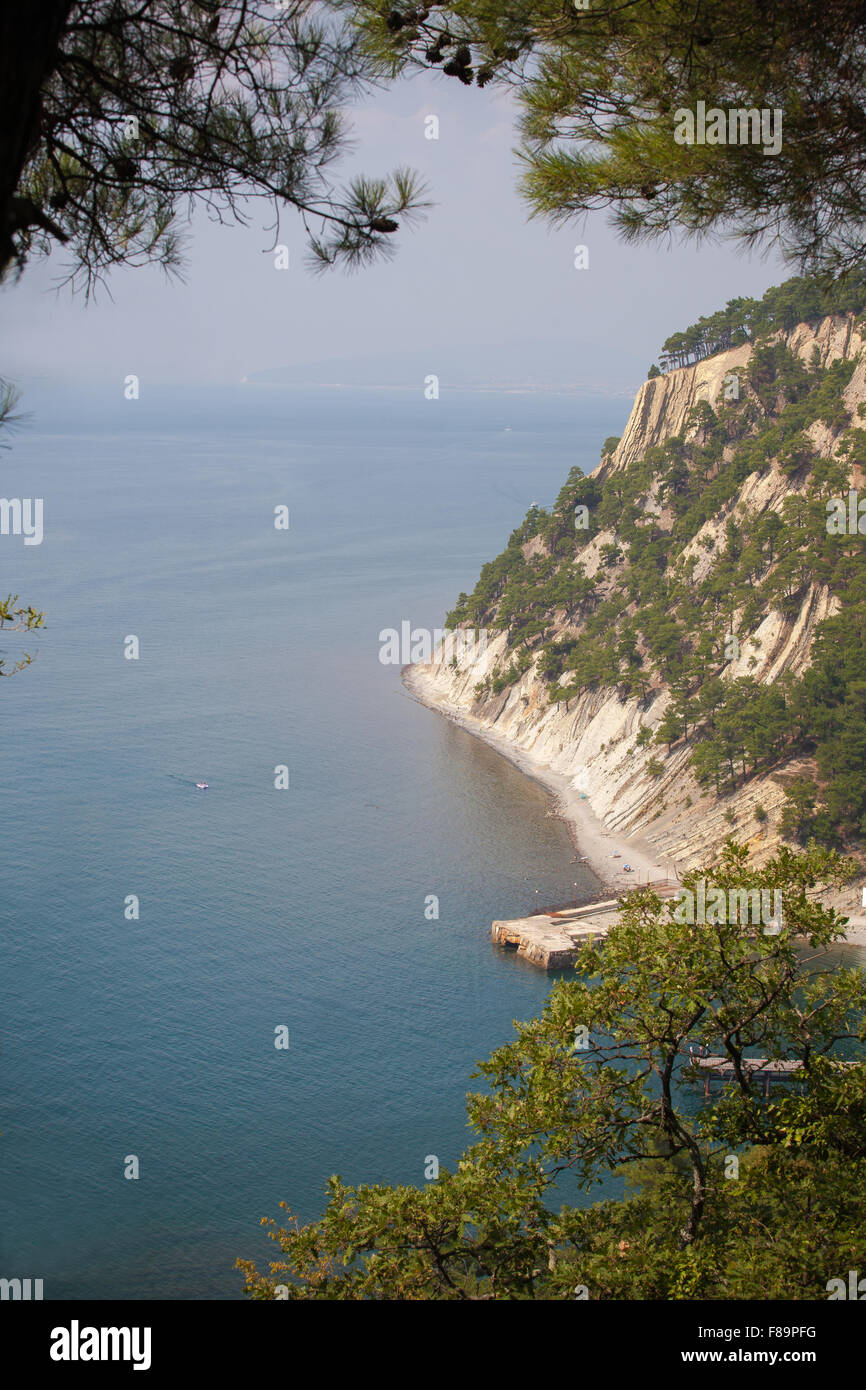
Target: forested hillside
[[803, 299], [653, 577]]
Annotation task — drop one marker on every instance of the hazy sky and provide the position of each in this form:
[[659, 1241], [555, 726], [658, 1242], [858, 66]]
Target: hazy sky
[[475, 273]]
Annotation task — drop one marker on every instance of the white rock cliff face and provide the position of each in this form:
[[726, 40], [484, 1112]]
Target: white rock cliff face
[[591, 739]]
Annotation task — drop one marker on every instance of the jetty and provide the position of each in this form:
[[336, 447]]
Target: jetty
[[771, 1069], [552, 937]]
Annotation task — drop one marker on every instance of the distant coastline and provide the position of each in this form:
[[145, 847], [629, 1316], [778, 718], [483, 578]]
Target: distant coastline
[[580, 391]]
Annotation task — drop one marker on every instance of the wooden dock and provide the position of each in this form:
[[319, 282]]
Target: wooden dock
[[552, 939]]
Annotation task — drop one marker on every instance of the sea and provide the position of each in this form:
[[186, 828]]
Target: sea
[[159, 941]]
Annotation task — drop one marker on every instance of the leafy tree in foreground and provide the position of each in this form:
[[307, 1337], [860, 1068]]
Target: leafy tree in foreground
[[599, 88], [558, 1116], [115, 114]]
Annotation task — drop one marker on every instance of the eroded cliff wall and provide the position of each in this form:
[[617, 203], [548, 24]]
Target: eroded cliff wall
[[591, 738]]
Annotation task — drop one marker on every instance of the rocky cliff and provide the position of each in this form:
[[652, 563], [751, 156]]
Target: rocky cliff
[[592, 736]]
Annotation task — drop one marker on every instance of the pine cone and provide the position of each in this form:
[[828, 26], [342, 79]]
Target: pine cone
[[455, 69], [181, 69]]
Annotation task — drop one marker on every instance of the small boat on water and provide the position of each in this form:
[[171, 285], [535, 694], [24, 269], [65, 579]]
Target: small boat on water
[[202, 786]]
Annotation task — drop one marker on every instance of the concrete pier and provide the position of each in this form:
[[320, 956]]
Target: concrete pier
[[552, 939]]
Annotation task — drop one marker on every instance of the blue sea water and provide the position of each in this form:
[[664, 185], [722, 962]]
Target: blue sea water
[[258, 907]]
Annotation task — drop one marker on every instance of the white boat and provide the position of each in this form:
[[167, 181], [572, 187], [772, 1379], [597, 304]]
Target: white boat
[[202, 786]]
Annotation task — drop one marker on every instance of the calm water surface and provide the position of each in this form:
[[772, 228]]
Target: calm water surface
[[258, 907]]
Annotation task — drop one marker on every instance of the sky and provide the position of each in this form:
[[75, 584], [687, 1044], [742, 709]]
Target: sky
[[478, 293]]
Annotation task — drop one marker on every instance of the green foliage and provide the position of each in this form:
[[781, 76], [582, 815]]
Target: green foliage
[[20, 619], [600, 98], [602, 1080], [803, 299], [501, 680], [640, 623], [143, 110]]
